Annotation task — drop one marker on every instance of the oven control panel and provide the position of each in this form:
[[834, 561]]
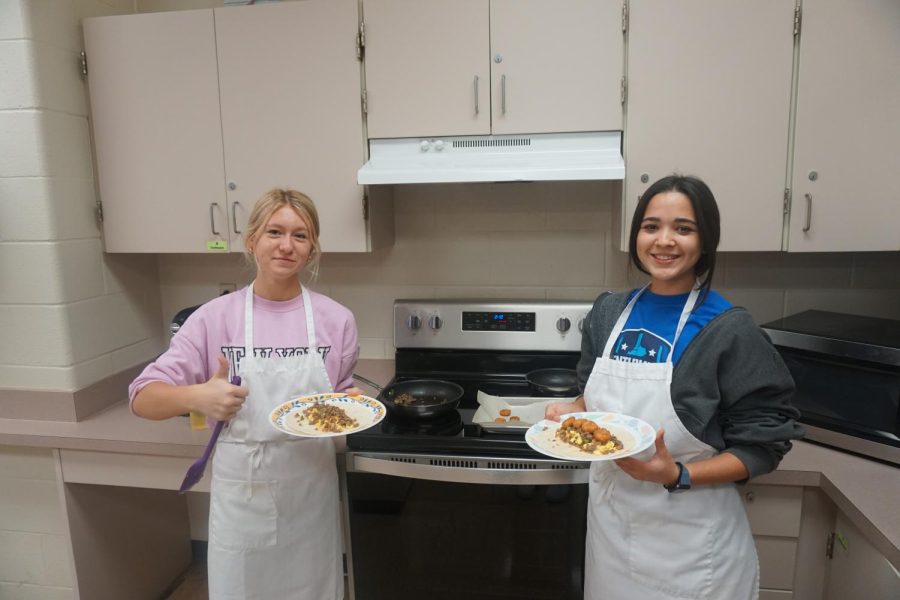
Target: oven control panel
[[497, 321], [489, 324]]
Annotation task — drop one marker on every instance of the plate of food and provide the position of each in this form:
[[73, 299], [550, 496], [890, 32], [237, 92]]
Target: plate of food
[[591, 436], [326, 415]]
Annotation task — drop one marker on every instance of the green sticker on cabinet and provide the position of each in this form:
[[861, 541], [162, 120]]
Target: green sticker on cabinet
[[217, 246], [842, 539]]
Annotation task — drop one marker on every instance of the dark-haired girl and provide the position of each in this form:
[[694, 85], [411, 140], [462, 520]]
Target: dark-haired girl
[[678, 355]]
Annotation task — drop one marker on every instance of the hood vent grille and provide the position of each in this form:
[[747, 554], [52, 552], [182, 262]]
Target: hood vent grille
[[492, 142]]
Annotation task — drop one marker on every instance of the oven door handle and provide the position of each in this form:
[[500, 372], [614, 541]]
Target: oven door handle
[[564, 475]]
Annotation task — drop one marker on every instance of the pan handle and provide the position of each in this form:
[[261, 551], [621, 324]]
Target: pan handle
[[368, 382]]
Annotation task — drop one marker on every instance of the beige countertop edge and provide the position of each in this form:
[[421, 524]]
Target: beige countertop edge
[[867, 491]]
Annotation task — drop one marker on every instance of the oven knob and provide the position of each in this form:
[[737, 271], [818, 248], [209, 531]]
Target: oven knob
[[435, 322], [413, 322], [581, 325], [563, 324]]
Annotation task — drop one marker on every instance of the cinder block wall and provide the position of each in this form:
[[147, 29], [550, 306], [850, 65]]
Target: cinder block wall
[[34, 547], [69, 315], [76, 316]]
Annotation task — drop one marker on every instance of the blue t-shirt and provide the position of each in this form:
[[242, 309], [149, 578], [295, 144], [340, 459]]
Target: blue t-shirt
[[650, 329]]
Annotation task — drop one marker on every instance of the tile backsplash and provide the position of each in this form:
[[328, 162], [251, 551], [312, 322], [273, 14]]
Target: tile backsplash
[[547, 240]]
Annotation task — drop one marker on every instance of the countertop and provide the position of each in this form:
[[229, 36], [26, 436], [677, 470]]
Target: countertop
[[866, 491]]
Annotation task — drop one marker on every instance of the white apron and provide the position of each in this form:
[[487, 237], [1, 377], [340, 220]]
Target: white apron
[[274, 532], [644, 543]]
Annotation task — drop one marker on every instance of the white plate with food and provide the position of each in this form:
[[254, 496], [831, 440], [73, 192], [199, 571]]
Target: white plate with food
[[326, 415], [591, 436]]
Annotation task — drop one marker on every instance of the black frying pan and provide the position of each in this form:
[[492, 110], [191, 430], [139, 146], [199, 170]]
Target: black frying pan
[[418, 398], [553, 382]]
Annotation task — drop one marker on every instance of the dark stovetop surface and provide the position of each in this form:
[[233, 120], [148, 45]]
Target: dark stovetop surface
[[450, 434]]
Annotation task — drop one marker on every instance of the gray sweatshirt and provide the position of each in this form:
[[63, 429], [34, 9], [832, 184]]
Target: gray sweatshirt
[[730, 388]]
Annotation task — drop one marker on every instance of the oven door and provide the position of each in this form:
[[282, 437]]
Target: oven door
[[450, 527], [850, 404]]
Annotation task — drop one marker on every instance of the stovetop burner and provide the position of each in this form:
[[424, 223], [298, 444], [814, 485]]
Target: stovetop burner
[[447, 424]]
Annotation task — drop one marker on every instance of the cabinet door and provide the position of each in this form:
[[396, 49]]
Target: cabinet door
[[155, 116], [556, 66], [427, 67], [709, 90], [847, 127], [291, 117], [857, 569]]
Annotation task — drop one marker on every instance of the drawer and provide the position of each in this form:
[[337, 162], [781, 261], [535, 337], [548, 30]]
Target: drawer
[[775, 594], [128, 470], [773, 509], [777, 560]]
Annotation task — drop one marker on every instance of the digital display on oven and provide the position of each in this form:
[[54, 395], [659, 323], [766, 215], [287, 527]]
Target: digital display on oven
[[498, 321]]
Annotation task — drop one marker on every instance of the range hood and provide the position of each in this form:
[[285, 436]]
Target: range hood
[[459, 159]]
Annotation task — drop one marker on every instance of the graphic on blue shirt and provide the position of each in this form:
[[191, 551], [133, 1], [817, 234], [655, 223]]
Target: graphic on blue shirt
[[650, 329], [640, 345]]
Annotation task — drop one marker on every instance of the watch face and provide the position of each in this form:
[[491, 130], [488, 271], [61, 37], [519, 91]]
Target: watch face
[[683, 482], [684, 478]]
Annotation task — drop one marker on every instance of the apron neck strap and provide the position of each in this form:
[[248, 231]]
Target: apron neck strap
[[248, 320], [310, 324], [685, 314], [623, 318]]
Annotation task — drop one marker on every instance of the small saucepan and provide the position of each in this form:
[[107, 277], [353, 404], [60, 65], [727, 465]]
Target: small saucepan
[[418, 398], [553, 382]]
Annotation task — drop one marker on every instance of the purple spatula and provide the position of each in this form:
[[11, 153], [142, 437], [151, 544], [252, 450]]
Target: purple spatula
[[195, 471]]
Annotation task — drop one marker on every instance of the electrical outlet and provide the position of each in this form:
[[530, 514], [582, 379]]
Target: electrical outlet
[[226, 288]]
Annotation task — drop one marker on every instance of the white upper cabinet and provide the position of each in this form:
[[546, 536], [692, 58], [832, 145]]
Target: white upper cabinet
[[197, 113], [845, 192], [556, 66], [709, 94], [475, 67], [289, 80], [157, 131], [427, 69]]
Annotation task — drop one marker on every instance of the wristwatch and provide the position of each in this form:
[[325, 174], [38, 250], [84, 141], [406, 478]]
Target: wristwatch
[[682, 482]]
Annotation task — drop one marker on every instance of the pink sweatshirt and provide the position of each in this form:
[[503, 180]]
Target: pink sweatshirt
[[217, 328]]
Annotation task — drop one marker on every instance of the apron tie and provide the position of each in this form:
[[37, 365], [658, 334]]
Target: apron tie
[[255, 458]]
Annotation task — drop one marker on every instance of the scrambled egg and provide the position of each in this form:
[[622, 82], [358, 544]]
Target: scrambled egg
[[588, 436]]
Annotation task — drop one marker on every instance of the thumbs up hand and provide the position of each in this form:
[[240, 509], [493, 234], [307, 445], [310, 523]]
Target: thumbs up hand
[[218, 398]]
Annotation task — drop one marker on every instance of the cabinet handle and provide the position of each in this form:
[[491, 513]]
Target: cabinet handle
[[234, 217], [212, 217], [749, 497], [476, 94], [503, 94], [808, 212]]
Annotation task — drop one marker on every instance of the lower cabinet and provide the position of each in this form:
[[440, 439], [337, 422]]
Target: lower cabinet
[[774, 513], [810, 550], [129, 529], [856, 568]]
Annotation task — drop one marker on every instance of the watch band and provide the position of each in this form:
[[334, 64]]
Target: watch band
[[682, 482]]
